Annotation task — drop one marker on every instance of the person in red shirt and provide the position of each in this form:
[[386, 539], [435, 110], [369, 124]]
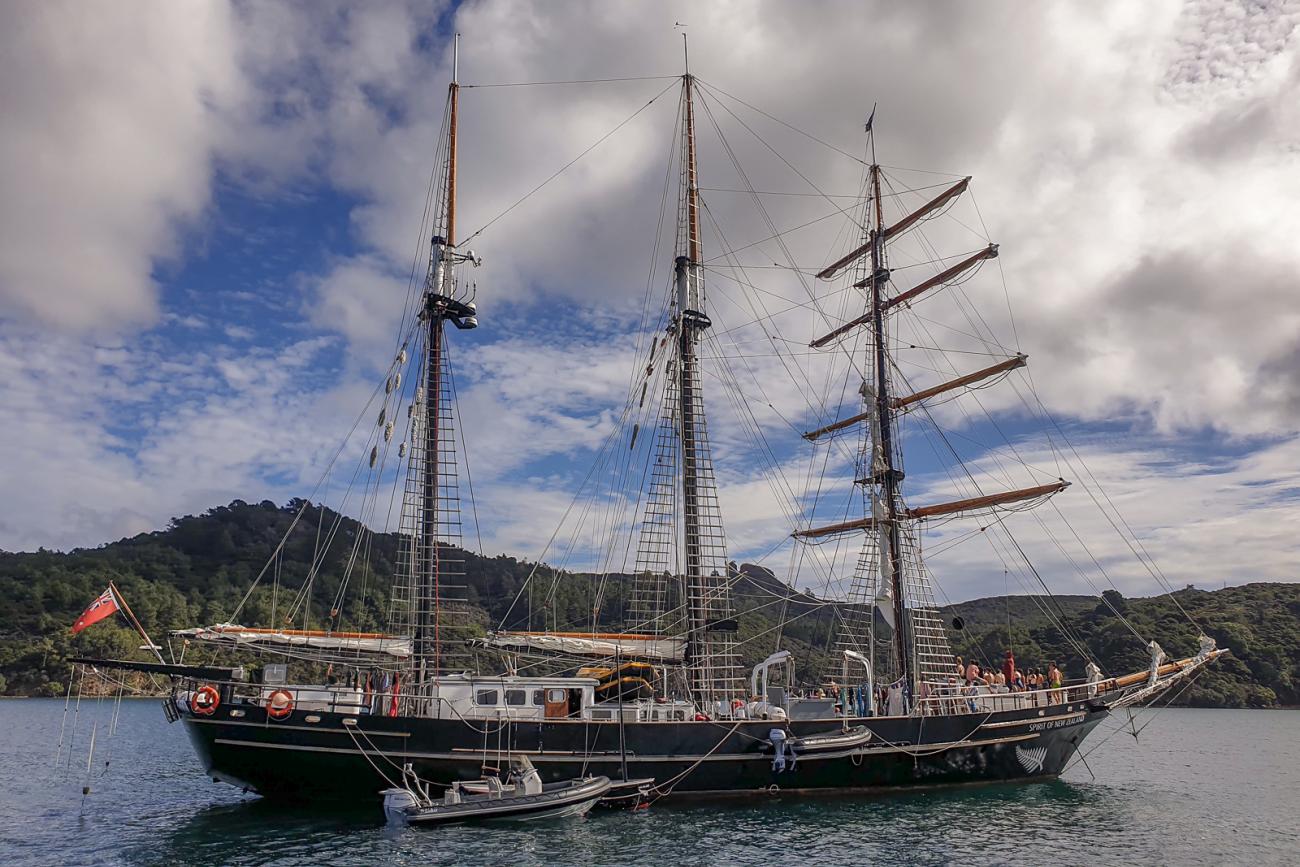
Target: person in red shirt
[[1009, 667]]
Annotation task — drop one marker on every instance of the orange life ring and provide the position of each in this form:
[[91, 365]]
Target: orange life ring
[[205, 700], [279, 704]]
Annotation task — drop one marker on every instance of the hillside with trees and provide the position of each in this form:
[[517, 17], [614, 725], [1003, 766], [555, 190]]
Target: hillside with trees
[[200, 567]]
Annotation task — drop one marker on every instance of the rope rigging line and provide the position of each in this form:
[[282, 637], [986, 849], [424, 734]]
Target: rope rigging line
[[566, 166], [714, 89], [728, 254], [464, 449], [776, 235], [1063, 624], [325, 475], [570, 81], [781, 157], [1130, 538], [762, 210], [856, 196], [971, 321], [781, 243]]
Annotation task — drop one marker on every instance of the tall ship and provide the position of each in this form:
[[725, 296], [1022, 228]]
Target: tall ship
[[660, 681]]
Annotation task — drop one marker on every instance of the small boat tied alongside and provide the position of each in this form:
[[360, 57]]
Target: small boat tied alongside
[[521, 797], [655, 685]]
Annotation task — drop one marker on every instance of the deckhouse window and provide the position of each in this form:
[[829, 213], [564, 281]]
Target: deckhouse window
[[516, 696], [486, 697]]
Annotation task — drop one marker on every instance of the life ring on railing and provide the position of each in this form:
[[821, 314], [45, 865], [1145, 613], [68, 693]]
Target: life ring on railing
[[205, 700], [279, 704]]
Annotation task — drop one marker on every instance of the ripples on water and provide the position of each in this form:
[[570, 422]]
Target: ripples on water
[[1201, 787]]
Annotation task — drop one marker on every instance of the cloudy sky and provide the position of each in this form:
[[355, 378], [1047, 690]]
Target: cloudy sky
[[209, 213]]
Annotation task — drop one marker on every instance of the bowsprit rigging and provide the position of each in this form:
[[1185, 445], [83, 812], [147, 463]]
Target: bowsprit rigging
[[646, 684]]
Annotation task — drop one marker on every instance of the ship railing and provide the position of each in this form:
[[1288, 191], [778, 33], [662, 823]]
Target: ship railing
[[948, 699], [328, 698]]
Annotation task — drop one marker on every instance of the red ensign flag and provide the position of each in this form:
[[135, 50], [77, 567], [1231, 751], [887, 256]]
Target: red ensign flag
[[102, 607]]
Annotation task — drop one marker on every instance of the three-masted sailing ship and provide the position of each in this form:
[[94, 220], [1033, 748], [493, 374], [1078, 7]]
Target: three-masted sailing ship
[[663, 696]]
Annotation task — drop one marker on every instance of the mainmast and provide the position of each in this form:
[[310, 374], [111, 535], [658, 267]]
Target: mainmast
[[710, 623]]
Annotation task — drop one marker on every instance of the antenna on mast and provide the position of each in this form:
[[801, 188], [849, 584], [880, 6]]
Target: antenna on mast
[[455, 59]]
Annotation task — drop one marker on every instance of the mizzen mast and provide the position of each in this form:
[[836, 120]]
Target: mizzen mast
[[431, 509]]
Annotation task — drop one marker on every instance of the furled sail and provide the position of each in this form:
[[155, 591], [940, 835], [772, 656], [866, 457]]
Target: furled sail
[[944, 276], [837, 425], [316, 639], [884, 595], [993, 370], [968, 505], [899, 402], [896, 229], [893, 231], [841, 330], [833, 529], [600, 644], [985, 502]]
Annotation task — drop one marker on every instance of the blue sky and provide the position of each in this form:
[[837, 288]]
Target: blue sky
[[212, 219]]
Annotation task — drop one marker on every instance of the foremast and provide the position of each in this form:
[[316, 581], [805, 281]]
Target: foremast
[[881, 473], [890, 551]]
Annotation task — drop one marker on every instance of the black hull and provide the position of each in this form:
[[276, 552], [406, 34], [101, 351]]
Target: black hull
[[298, 760]]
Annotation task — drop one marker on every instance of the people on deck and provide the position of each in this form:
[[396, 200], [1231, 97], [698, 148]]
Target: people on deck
[[1054, 681]]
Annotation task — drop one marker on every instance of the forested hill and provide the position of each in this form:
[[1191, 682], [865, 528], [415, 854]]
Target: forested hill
[[198, 569]]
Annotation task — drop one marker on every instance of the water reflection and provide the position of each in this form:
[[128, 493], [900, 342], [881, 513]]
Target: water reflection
[[1185, 795], [1004, 824]]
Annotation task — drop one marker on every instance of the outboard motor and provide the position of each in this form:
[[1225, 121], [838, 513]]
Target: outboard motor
[[398, 804]]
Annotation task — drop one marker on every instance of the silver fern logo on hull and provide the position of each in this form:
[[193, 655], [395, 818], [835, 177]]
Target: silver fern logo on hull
[[1031, 759]]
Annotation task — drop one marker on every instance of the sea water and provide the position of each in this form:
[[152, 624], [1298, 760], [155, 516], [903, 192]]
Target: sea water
[[1198, 787]]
